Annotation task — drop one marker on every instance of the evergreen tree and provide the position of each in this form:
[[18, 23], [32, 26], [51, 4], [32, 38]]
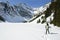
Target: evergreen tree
[[38, 21], [56, 7]]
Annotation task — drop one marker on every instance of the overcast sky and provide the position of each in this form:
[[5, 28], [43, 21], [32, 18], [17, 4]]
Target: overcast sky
[[33, 3]]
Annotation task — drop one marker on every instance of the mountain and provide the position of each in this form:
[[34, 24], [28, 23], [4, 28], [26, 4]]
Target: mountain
[[53, 10], [38, 12], [16, 13], [24, 13], [42, 8], [20, 12]]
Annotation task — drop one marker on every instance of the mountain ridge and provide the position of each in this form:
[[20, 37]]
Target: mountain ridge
[[11, 13]]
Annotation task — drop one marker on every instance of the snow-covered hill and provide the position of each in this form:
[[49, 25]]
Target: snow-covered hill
[[28, 31]]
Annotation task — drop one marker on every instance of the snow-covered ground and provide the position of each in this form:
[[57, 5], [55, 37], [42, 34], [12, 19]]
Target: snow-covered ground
[[27, 31]]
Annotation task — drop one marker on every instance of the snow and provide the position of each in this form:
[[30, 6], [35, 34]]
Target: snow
[[27, 31], [50, 17], [41, 9]]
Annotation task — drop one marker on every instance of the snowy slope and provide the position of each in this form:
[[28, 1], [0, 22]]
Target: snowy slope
[[42, 8], [27, 31], [39, 12]]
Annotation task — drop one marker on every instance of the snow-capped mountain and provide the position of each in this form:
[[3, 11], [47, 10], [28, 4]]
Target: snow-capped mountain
[[15, 13], [39, 12], [20, 12], [42, 8]]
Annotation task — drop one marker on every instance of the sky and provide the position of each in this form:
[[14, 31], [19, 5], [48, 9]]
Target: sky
[[32, 3]]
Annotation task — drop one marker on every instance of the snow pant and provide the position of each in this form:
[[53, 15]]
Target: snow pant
[[47, 31]]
